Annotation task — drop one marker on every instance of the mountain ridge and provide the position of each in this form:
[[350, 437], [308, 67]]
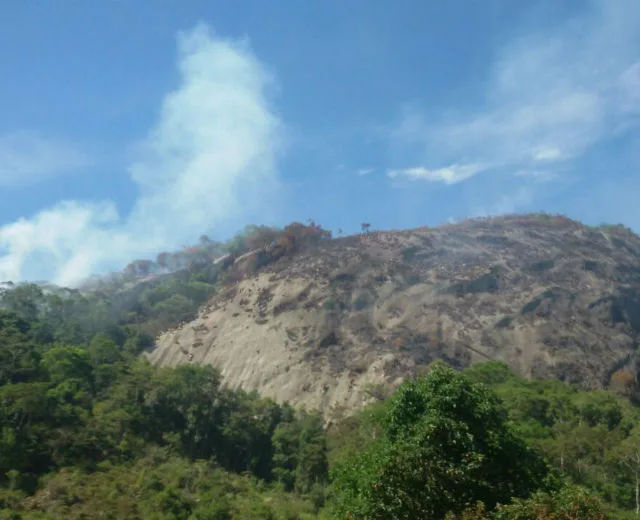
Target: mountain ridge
[[333, 324]]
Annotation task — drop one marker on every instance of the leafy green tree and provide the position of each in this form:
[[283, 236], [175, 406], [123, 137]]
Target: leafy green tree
[[65, 363], [490, 373], [598, 407], [249, 424], [300, 453], [286, 442], [136, 341], [626, 456], [176, 308], [107, 360], [23, 300], [19, 355], [26, 419], [446, 446], [311, 460]]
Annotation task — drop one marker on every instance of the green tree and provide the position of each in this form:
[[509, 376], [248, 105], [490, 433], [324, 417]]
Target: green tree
[[446, 446], [19, 355], [65, 363], [107, 360], [569, 502], [26, 416], [286, 442], [626, 456], [23, 299], [311, 468]]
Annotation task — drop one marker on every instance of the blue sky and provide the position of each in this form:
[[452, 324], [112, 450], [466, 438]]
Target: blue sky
[[132, 127]]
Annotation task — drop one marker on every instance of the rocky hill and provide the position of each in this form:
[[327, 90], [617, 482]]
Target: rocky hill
[[335, 323]]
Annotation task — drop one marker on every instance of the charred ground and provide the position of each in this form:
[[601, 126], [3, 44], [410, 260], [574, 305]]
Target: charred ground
[[330, 324]]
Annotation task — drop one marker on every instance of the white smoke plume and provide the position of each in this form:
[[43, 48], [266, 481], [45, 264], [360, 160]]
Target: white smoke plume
[[210, 158]]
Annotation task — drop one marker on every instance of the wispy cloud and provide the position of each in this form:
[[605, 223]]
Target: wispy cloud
[[210, 157], [550, 97], [27, 158], [449, 175]]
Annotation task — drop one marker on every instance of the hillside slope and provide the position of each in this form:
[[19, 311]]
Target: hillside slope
[[332, 324]]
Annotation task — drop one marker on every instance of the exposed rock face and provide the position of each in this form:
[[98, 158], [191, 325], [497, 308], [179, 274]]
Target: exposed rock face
[[325, 328]]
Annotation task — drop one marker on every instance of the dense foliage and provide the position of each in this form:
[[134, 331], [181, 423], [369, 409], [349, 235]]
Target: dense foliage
[[444, 445], [68, 411], [91, 430]]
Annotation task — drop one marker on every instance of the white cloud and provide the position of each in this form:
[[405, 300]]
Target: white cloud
[[27, 158], [546, 153], [210, 158], [449, 175], [550, 96]]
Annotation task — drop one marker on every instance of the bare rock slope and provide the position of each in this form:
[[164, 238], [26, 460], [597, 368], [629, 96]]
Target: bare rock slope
[[331, 325]]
